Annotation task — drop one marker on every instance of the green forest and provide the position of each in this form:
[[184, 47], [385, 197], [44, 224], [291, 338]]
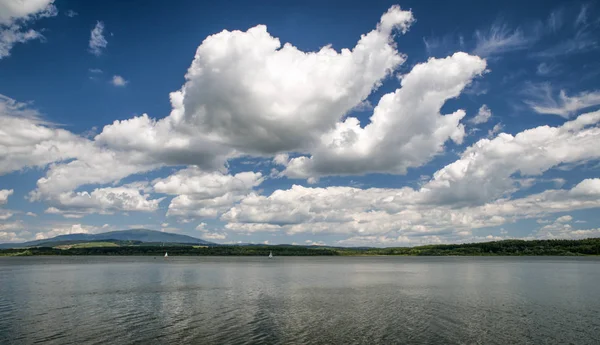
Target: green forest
[[498, 248]]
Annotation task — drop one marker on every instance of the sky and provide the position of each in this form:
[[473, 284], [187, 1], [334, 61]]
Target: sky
[[301, 122]]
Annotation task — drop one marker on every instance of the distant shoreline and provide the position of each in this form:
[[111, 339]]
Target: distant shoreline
[[585, 247]]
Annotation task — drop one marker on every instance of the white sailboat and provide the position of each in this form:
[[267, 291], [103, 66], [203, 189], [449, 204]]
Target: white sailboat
[[166, 255], [270, 255]]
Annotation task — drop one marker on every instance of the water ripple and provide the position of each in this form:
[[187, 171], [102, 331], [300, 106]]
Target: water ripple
[[299, 301]]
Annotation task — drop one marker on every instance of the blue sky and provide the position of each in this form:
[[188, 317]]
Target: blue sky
[[338, 123]]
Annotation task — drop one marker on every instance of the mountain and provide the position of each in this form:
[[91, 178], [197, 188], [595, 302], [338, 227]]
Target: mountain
[[142, 235]]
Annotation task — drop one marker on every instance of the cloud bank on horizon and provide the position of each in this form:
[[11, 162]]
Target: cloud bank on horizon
[[266, 141]]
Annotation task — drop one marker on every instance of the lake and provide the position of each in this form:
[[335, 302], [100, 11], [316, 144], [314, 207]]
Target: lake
[[299, 300]]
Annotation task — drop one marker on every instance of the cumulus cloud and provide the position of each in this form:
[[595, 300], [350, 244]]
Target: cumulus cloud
[[564, 219], [105, 200], [389, 213], [193, 181], [13, 232], [406, 128], [284, 98], [4, 214], [118, 81], [210, 235], [207, 126], [205, 194], [4, 194], [97, 40], [15, 16], [485, 170], [561, 229], [28, 141], [248, 95], [472, 192]]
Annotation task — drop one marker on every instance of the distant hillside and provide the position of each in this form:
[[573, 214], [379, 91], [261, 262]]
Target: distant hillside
[[138, 235]]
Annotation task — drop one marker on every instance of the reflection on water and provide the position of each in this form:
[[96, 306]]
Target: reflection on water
[[351, 300]]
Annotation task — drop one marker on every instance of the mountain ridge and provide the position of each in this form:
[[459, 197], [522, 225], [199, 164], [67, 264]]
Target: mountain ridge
[[143, 235]]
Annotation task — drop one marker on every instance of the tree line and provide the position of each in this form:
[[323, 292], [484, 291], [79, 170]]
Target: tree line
[[505, 248]]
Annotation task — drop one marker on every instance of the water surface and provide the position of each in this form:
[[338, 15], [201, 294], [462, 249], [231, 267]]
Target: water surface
[[300, 300]]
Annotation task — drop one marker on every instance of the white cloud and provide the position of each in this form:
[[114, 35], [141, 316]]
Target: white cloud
[[564, 219], [31, 214], [281, 159], [248, 95], [28, 141], [194, 133], [15, 16], [18, 225], [4, 214], [473, 192], [500, 39], [543, 100], [66, 230], [406, 128], [11, 36], [272, 83], [12, 11], [71, 13], [560, 229], [484, 171], [193, 181], [205, 194], [4, 194], [315, 243], [208, 235], [483, 115], [95, 70], [13, 232], [214, 236], [102, 200], [398, 214], [97, 41], [93, 166], [9, 236], [119, 81]]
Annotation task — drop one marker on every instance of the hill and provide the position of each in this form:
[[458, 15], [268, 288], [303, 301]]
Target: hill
[[135, 235]]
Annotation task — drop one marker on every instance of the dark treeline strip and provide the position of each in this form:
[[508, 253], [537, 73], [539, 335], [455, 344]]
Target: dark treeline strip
[[505, 248], [178, 250]]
